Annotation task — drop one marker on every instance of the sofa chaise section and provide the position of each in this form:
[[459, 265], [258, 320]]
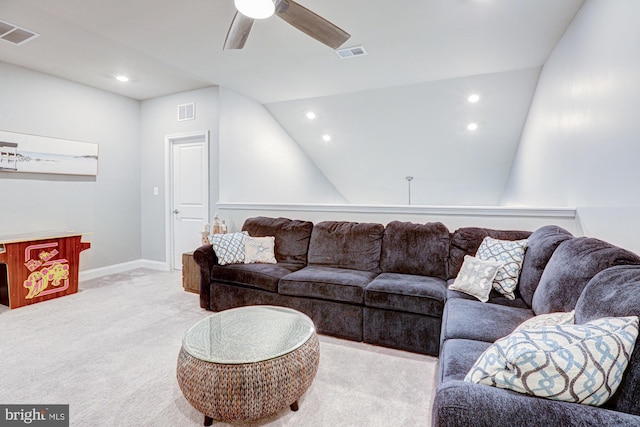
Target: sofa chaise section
[[560, 273], [613, 292]]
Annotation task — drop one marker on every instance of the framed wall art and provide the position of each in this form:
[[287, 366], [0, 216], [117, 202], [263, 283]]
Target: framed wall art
[[41, 154]]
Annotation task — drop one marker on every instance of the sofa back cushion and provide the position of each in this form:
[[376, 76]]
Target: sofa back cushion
[[411, 248], [615, 292], [541, 245], [467, 240], [292, 236], [570, 268], [344, 244]]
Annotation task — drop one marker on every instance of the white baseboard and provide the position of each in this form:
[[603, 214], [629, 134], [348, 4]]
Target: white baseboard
[[154, 265], [121, 268]]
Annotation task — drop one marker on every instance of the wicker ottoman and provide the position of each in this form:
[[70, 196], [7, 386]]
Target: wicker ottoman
[[248, 362]]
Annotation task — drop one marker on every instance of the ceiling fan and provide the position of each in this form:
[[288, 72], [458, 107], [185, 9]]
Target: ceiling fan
[[295, 14]]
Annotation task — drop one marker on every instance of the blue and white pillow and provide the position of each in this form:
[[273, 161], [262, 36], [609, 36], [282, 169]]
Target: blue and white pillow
[[511, 254], [229, 248], [573, 363]]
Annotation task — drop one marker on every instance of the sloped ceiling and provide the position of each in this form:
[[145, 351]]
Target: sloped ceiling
[[168, 46], [379, 137], [399, 111]]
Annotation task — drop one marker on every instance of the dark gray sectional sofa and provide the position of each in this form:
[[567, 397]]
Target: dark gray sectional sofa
[[359, 281], [387, 285]]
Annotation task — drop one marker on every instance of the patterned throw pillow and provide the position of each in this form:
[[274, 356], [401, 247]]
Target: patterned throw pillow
[[573, 363], [511, 254], [549, 319], [229, 248], [475, 277], [259, 249]]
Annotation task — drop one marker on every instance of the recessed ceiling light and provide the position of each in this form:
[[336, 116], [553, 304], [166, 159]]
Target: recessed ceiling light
[[326, 138], [473, 98], [122, 78], [311, 115], [472, 126]]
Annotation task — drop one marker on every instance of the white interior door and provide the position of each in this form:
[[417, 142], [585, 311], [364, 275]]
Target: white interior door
[[189, 194]]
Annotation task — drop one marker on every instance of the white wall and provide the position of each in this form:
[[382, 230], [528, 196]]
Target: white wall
[[107, 205], [159, 119], [580, 143], [379, 137], [260, 162]]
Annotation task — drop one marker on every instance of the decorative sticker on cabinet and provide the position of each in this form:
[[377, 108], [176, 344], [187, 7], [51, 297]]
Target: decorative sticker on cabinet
[[45, 270]]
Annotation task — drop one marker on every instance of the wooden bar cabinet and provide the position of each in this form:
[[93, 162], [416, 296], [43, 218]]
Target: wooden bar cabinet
[[39, 267]]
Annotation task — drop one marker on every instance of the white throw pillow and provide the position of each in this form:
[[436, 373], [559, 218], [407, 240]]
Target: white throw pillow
[[229, 248], [548, 319], [573, 363], [511, 254], [259, 249], [476, 277]]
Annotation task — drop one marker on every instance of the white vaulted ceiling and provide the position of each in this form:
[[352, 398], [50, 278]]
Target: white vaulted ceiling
[[381, 136], [168, 46], [399, 111]]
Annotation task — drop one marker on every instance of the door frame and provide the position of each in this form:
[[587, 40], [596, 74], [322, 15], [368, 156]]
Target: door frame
[[170, 141]]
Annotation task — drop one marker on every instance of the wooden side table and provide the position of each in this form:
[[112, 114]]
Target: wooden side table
[[190, 273]]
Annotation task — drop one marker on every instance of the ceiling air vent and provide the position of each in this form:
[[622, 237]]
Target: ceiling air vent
[[351, 52], [15, 35], [186, 112]]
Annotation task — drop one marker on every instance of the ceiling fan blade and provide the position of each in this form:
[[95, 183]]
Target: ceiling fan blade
[[311, 24], [238, 32]]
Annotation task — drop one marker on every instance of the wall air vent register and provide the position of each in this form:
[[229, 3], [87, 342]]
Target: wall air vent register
[[16, 35], [186, 112]]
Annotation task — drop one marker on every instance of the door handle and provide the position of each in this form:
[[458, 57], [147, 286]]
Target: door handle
[[176, 211]]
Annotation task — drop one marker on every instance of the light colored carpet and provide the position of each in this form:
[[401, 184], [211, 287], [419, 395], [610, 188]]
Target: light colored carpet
[[110, 352]]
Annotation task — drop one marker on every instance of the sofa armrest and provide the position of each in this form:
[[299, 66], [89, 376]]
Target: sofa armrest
[[206, 258], [459, 403]]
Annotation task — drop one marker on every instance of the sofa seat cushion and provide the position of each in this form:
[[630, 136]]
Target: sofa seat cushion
[[348, 245], [259, 276], [570, 268], [415, 249], [407, 292], [474, 320], [291, 236], [457, 357], [328, 283]]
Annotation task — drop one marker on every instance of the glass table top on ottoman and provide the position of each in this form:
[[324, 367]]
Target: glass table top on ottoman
[[248, 362]]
